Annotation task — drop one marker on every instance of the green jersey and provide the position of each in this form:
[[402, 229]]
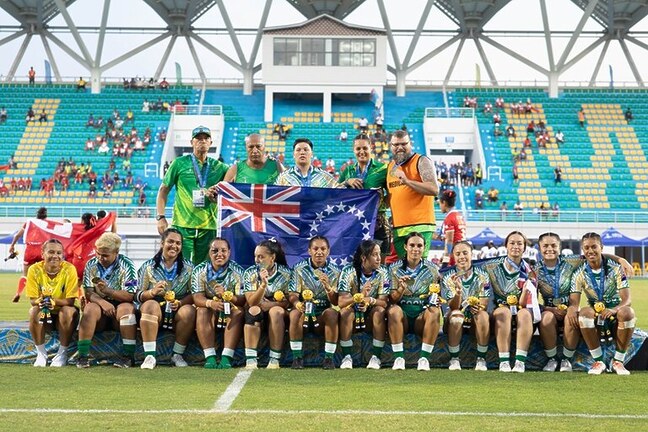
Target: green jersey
[[184, 176], [373, 177], [304, 277], [425, 274], [149, 274], [554, 283], [379, 281], [266, 175], [475, 283], [505, 282], [588, 281], [279, 281], [120, 275], [204, 279]]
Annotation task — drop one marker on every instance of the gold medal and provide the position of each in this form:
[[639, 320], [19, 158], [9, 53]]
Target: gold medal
[[562, 306], [599, 307]]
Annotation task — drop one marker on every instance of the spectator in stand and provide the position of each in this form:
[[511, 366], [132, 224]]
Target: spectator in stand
[[363, 125], [515, 155], [128, 180], [3, 115], [497, 120], [31, 116], [581, 117], [515, 174], [503, 211], [28, 183], [556, 210], [628, 115], [165, 168], [103, 148], [146, 106], [560, 137], [510, 131], [488, 108], [479, 174], [527, 142], [31, 75], [557, 175], [479, 198], [141, 201], [493, 194], [163, 135], [99, 123], [90, 144], [378, 122], [164, 84], [499, 103], [42, 117], [81, 84], [330, 166], [343, 135], [518, 208], [130, 117], [497, 131]]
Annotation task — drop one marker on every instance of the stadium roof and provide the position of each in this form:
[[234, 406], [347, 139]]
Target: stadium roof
[[601, 25]]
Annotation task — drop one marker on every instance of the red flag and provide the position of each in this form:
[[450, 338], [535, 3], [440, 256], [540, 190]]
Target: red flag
[[37, 231], [82, 247], [5, 167]]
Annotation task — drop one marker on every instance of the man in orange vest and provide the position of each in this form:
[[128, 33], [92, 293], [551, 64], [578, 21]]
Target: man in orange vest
[[31, 75], [412, 186]]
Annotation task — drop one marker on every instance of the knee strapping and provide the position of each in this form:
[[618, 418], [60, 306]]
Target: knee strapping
[[149, 318], [586, 322], [254, 320], [630, 324], [128, 319], [456, 319]]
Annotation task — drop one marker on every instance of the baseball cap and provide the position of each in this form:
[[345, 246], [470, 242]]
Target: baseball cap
[[200, 130]]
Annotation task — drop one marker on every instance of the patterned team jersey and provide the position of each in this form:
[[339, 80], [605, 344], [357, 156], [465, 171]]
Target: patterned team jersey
[[316, 177], [423, 276], [304, 276], [279, 281], [503, 282], [476, 285], [587, 281], [556, 282], [120, 275], [379, 280], [64, 285], [148, 275], [204, 279]]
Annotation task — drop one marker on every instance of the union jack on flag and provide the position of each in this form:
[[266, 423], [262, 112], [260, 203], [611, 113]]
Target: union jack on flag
[[248, 214]]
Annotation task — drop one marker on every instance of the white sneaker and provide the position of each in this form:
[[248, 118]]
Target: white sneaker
[[597, 368], [519, 366], [455, 364], [481, 365], [273, 363], [423, 364], [347, 362], [251, 364], [565, 366], [399, 363], [59, 360], [504, 367], [374, 363], [551, 365], [41, 361], [178, 361], [619, 368], [149, 362]]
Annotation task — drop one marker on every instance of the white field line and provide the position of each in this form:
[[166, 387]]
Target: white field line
[[232, 391], [326, 412]]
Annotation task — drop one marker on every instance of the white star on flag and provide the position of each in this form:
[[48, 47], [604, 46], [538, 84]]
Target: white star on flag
[[319, 216], [343, 261], [329, 209], [366, 237], [313, 226], [352, 209], [341, 207], [366, 225], [360, 214]]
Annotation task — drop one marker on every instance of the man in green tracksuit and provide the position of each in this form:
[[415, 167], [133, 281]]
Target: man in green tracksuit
[[194, 213], [258, 168]]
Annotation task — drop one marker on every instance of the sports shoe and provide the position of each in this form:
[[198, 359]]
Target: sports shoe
[[298, 363], [504, 367], [481, 365], [124, 362], [210, 363], [454, 364], [347, 362], [518, 367], [59, 360], [374, 363], [83, 362], [273, 363], [619, 368], [597, 368], [41, 361], [423, 364], [565, 366], [399, 363], [178, 360], [328, 364], [251, 364], [149, 362], [551, 365], [224, 363]]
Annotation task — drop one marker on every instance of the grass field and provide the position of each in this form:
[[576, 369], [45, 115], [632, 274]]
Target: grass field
[[197, 399]]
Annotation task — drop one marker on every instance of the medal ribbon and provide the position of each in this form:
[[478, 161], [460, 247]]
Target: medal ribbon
[[201, 175], [600, 287]]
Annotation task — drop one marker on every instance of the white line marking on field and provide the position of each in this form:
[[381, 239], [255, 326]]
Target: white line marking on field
[[232, 391], [325, 412]]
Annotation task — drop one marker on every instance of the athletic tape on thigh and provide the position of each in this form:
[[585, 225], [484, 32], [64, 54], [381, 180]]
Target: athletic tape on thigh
[[253, 319], [586, 322], [149, 318], [630, 324], [128, 319]]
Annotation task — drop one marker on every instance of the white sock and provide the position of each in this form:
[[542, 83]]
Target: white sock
[[330, 347], [378, 343], [41, 350], [209, 352], [179, 349], [149, 346], [296, 345], [397, 347], [427, 348], [551, 353], [228, 352], [62, 349]]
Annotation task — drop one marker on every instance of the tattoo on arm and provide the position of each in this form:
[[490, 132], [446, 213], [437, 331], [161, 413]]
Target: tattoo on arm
[[426, 169]]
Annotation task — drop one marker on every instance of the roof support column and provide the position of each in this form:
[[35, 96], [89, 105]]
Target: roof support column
[[18, 59]]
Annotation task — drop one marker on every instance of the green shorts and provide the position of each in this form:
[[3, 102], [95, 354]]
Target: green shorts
[[195, 243], [411, 312]]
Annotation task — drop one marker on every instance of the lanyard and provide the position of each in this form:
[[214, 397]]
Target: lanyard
[[600, 289], [106, 273], [307, 180], [170, 275], [363, 174], [201, 175], [553, 279], [214, 275]]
